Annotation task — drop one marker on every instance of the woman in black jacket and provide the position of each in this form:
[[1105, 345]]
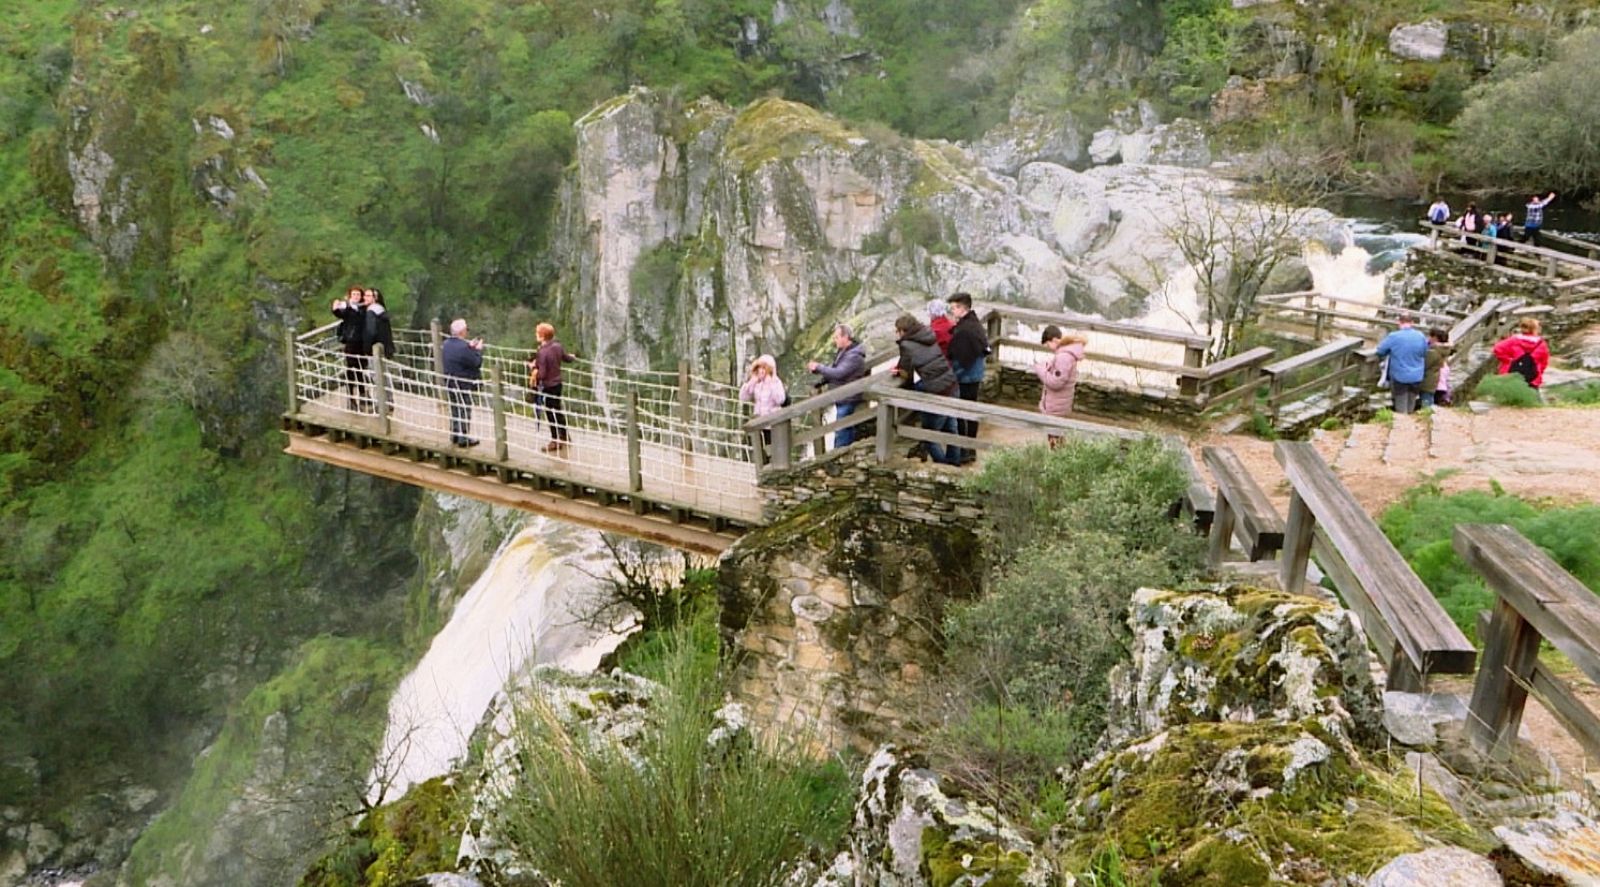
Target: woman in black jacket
[[352, 333]]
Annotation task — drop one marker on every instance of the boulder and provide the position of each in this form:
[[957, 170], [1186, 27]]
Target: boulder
[[1423, 41], [1414, 718], [1437, 867], [1030, 139], [1566, 846], [910, 831]]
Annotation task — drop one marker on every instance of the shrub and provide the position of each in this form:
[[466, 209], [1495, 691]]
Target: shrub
[[1420, 526], [1079, 529], [1586, 394], [1121, 488], [1532, 126], [676, 809], [1509, 390]]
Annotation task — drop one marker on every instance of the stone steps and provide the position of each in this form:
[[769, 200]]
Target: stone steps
[[1450, 435], [1407, 443], [1363, 449]]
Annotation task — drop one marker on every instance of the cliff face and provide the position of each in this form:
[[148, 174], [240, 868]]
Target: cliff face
[[713, 234]]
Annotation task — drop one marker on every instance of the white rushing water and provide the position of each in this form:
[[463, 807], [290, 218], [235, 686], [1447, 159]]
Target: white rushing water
[[527, 608]]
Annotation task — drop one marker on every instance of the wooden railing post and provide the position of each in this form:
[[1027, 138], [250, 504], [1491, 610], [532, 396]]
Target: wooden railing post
[[380, 389], [294, 382], [1510, 650], [1221, 531], [436, 336], [685, 407], [1296, 551], [885, 438], [781, 437], [497, 406], [635, 474]]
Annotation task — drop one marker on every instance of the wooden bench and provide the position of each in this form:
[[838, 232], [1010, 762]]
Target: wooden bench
[[1197, 502], [1242, 510], [1403, 620], [1536, 601]]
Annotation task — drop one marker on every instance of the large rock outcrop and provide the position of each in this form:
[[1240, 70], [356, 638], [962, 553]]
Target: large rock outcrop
[[1239, 750], [703, 232]]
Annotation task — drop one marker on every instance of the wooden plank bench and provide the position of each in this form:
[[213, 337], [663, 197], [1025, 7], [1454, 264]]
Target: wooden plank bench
[[1403, 620], [1536, 600], [1242, 510]]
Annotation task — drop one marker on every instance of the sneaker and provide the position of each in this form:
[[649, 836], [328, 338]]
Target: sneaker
[[469, 442], [553, 446]]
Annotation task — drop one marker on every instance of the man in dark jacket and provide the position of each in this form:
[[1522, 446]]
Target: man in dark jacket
[[463, 367], [849, 364], [351, 311], [378, 330], [969, 347], [920, 358]]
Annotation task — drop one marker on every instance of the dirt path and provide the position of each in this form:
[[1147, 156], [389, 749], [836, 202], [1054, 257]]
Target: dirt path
[[1546, 453]]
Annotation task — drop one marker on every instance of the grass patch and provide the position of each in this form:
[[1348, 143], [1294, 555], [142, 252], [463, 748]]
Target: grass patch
[[676, 809], [1508, 390]]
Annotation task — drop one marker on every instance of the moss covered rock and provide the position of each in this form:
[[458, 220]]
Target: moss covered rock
[[1239, 751]]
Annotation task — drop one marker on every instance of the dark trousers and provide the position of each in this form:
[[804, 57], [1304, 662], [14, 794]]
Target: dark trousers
[[1404, 396], [969, 427], [554, 411], [845, 436], [460, 412], [1530, 234], [355, 380]]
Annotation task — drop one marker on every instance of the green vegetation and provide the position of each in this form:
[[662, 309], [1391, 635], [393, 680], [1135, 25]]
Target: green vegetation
[[395, 844], [675, 809], [331, 704], [1420, 525], [1077, 530], [1508, 390], [1529, 124]]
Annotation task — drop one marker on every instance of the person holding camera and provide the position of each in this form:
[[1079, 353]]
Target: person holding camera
[[763, 388], [463, 368], [351, 311], [849, 364]]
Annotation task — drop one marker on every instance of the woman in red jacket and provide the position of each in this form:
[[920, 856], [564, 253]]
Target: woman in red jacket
[[1526, 341]]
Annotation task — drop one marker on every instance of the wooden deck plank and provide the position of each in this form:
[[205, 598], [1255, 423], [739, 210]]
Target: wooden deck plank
[[1257, 524]]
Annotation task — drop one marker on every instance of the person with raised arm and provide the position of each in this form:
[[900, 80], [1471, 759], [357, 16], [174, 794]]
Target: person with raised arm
[[849, 364], [545, 375]]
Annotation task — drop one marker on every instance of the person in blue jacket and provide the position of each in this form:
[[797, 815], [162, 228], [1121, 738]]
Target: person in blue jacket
[[1407, 351]]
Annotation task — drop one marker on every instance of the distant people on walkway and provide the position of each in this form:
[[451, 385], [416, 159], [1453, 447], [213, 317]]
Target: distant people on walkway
[[1406, 349], [939, 321], [968, 352], [1435, 371], [1439, 212], [1468, 224], [1525, 353], [924, 367], [544, 377], [1533, 217], [463, 368], [1058, 374], [849, 364], [351, 311]]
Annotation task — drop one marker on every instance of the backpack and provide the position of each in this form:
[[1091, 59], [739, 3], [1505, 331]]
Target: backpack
[[1525, 367]]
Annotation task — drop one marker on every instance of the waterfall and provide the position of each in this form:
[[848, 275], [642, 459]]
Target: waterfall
[[526, 609]]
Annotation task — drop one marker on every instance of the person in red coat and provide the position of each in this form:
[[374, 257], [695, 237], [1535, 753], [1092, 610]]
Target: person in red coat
[[939, 321], [1525, 341]]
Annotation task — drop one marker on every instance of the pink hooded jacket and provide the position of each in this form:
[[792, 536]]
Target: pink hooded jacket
[[1059, 378], [766, 393]]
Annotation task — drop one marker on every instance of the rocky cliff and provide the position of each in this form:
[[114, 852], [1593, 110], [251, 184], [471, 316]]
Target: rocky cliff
[[716, 234]]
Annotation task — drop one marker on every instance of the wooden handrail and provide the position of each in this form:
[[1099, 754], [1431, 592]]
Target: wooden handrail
[[1281, 300], [1242, 509], [1100, 325], [1537, 601], [1334, 350], [1227, 366], [1401, 617], [1515, 248], [310, 335]]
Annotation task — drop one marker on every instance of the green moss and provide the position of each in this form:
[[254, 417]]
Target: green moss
[[774, 129], [397, 843], [945, 862], [1167, 814]]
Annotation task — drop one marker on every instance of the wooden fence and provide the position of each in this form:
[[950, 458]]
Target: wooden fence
[[1536, 601]]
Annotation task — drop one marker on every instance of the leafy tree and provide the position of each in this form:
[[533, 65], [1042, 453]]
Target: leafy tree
[[1536, 127]]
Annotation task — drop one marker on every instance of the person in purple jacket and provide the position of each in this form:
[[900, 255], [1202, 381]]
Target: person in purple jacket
[[545, 375], [849, 364]]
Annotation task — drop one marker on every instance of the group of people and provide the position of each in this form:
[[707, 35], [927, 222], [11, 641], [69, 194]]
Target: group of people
[[944, 356], [1490, 224], [1418, 372], [363, 325]]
